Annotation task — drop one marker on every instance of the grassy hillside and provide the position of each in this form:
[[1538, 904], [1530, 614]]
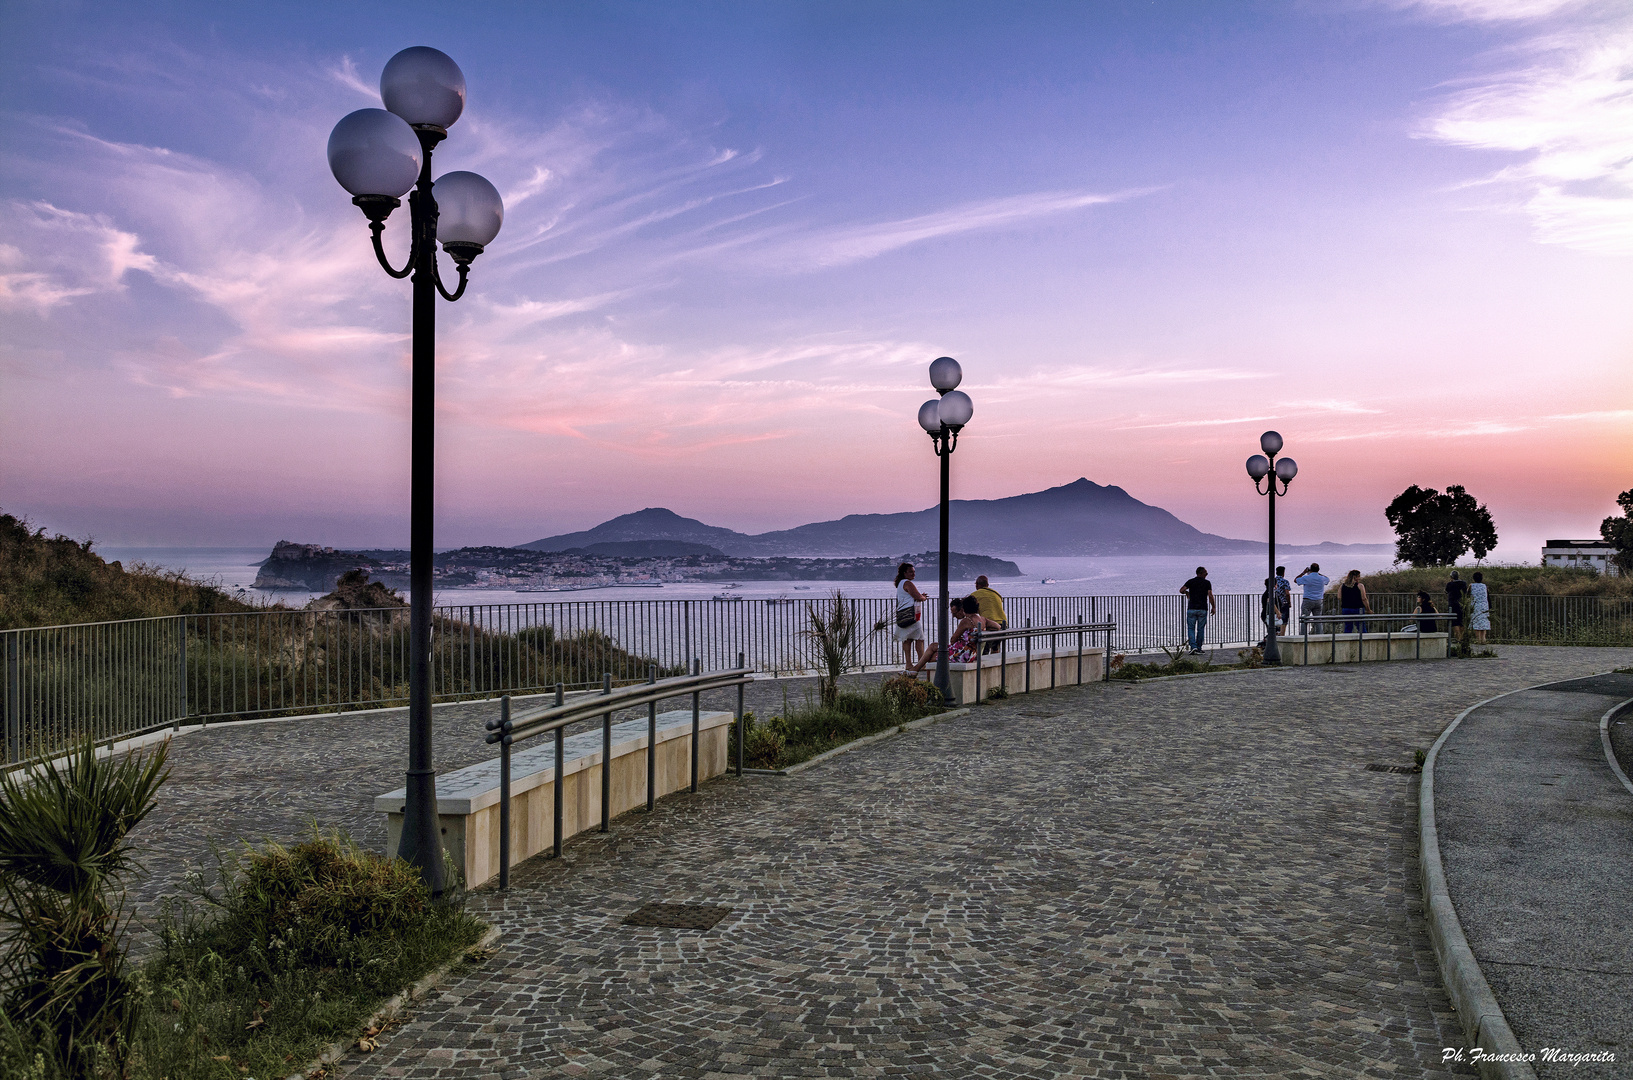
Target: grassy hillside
[[50, 580], [1519, 580]]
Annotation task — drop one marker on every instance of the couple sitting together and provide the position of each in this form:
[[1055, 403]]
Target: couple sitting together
[[961, 645]]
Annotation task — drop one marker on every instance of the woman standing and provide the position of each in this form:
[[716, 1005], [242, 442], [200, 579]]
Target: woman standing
[[909, 628], [1352, 600], [1480, 610]]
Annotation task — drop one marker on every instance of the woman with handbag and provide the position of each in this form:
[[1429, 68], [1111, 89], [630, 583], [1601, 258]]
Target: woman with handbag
[[909, 629]]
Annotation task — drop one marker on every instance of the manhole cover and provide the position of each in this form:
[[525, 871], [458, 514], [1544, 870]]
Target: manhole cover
[[677, 916], [1392, 768]]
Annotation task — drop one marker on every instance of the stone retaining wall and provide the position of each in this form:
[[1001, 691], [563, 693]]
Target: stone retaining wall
[[468, 799]]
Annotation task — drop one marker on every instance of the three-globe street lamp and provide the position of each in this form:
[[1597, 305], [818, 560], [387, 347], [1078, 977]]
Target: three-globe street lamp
[[942, 417], [1263, 467], [378, 155]]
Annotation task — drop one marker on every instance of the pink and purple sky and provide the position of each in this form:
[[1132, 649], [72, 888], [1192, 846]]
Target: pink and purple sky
[[1398, 231]]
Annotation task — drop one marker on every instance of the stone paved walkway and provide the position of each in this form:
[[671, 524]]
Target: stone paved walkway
[[1189, 877], [250, 782]]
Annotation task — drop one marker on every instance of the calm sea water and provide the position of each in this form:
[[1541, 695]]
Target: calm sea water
[[1109, 575]]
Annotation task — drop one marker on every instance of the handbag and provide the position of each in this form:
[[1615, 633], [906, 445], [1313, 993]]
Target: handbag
[[906, 616]]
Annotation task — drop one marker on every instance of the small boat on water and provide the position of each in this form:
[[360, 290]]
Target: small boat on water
[[779, 601], [1050, 581], [725, 596]]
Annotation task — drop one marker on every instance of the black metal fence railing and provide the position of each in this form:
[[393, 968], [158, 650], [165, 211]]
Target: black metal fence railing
[[116, 679]]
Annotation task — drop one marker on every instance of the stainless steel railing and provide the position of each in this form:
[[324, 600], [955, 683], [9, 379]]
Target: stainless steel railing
[[113, 680], [1026, 635], [512, 728]]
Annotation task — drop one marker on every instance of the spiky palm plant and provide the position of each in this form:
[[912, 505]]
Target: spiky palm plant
[[63, 855], [835, 636]]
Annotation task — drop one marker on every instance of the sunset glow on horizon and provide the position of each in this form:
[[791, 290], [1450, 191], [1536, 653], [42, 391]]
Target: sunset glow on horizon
[[1399, 232]]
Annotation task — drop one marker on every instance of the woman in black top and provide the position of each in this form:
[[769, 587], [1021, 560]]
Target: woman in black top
[[1352, 600], [1425, 607]]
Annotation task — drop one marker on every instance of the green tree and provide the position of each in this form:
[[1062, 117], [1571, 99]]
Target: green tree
[[1435, 529], [1618, 532]]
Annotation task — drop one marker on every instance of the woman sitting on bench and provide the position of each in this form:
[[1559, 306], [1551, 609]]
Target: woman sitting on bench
[[961, 646]]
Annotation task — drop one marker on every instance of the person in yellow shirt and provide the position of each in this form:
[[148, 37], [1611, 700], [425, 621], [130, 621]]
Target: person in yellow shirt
[[992, 605]]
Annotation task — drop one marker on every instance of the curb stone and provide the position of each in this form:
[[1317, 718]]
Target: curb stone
[[923, 721], [1484, 1024], [1610, 751], [393, 1005]]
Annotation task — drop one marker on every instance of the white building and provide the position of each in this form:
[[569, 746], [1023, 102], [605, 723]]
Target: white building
[[1592, 554]]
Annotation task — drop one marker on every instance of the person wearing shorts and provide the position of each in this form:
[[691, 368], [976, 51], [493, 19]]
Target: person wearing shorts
[[909, 626]]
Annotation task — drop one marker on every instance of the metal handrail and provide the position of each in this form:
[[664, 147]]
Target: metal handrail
[[1363, 619], [1026, 634], [549, 717], [1044, 631], [556, 718]]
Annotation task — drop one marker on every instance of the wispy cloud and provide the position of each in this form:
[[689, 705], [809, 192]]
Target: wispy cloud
[[837, 246], [347, 75], [1566, 109], [1487, 10], [49, 256]]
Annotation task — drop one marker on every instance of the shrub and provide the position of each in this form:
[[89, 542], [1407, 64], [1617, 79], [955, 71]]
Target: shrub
[[1520, 580], [997, 693], [64, 851], [908, 695], [763, 743], [287, 950], [317, 896]]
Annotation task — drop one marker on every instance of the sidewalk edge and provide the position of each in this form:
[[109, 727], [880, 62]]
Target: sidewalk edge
[[1610, 751], [1484, 1024]]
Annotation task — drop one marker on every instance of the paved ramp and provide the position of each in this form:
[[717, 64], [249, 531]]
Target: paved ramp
[[1536, 834]]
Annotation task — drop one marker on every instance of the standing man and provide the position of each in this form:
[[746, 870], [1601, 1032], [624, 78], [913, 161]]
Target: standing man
[[1315, 587], [1199, 603], [1457, 593], [1284, 598]]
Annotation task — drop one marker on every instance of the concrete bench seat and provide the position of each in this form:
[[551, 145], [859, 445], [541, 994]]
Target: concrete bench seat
[[468, 799], [1354, 648], [1013, 671]]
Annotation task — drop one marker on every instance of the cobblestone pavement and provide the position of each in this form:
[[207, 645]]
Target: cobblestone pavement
[[251, 782], [1188, 877]]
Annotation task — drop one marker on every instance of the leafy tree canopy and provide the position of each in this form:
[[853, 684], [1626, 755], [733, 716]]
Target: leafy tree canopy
[[1618, 532], [1435, 529]]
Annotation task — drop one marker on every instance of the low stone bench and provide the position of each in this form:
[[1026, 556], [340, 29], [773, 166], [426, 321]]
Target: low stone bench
[[1014, 671], [468, 799], [1358, 648]]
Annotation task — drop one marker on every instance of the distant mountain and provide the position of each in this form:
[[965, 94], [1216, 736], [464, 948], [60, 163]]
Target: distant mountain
[[1080, 518], [642, 527], [644, 549]]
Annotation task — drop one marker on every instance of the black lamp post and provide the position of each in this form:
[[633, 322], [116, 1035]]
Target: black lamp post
[[377, 155], [943, 417], [1261, 468]]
